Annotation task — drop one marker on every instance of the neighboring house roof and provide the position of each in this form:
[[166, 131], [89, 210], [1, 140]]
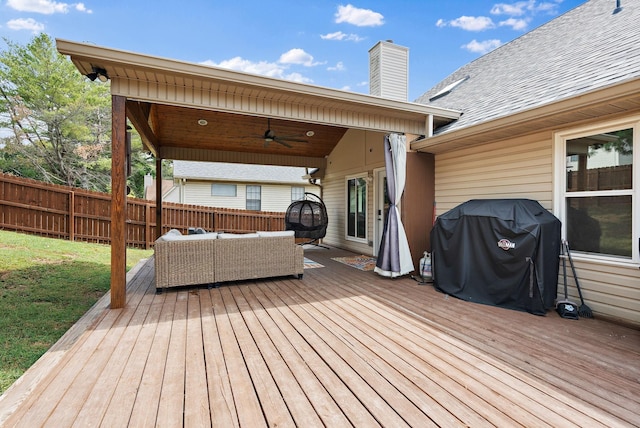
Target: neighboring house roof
[[217, 171], [588, 48]]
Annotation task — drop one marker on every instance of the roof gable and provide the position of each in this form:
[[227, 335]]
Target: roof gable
[[587, 48]]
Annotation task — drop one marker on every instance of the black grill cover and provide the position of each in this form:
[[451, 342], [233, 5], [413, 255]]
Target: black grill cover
[[484, 250]]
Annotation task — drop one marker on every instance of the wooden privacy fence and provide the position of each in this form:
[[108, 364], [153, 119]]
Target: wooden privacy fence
[[81, 215]]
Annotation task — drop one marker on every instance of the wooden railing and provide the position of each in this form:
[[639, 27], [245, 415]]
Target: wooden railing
[[81, 215]]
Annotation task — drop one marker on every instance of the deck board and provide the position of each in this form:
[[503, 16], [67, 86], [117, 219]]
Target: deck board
[[559, 359], [349, 406], [341, 347]]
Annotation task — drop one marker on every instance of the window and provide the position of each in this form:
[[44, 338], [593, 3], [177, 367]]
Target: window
[[357, 208], [223, 190], [598, 198], [297, 193], [253, 198]]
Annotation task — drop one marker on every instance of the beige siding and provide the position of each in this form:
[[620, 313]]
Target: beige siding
[[199, 193], [512, 169], [523, 168], [275, 197], [388, 71], [359, 152], [610, 290]]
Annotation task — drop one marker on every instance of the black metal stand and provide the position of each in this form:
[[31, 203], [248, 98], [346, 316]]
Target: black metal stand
[[315, 243]]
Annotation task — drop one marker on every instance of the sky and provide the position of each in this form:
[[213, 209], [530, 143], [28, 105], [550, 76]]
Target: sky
[[323, 43]]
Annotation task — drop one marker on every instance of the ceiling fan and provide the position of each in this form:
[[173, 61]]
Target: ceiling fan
[[270, 136]]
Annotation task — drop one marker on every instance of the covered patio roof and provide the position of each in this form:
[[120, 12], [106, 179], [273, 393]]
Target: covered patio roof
[[166, 99], [188, 111]]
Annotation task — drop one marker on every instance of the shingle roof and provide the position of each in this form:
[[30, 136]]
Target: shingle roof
[[238, 172], [587, 48]]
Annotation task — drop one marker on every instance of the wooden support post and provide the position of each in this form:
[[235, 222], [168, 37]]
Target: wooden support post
[[118, 202], [159, 220]]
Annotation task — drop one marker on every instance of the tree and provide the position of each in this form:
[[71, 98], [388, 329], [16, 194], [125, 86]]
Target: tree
[[59, 122]]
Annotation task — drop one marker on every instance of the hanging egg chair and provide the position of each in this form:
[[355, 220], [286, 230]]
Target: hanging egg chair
[[307, 218]]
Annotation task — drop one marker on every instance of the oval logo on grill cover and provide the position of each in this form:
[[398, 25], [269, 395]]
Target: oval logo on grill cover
[[505, 244]]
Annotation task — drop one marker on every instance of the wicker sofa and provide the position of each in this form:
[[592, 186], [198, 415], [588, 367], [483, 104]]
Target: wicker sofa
[[213, 258]]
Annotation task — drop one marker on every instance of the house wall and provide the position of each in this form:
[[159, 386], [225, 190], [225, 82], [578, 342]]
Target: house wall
[[275, 197], [416, 207], [520, 168], [359, 152], [523, 168]]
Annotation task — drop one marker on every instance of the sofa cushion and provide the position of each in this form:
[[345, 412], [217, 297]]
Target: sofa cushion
[[196, 237], [237, 235], [168, 235], [276, 233]]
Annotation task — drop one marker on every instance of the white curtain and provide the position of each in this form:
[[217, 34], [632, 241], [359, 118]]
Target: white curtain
[[394, 256]]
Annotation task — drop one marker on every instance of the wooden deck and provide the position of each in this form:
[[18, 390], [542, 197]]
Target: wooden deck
[[341, 347]]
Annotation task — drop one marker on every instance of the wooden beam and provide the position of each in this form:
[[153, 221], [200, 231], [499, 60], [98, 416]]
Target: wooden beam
[[138, 116], [205, 155], [118, 202]]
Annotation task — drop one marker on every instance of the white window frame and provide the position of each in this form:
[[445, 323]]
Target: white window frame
[[252, 199], [220, 186], [301, 196], [560, 184], [364, 240]]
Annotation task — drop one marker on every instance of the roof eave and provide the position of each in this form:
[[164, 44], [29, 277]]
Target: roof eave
[[448, 140], [114, 61]]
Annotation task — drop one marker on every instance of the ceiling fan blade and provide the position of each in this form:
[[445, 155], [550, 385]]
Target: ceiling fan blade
[[293, 139], [280, 141]]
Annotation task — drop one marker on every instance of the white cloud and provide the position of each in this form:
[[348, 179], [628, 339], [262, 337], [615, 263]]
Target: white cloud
[[468, 23], [80, 7], [524, 7], [297, 77], [549, 7], [513, 9], [264, 68], [26, 24], [297, 56], [46, 7], [359, 17], [338, 67], [520, 14], [515, 24], [482, 47], [339, 35]]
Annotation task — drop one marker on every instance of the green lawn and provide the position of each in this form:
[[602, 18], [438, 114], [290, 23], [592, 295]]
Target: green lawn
[[46, 285]]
